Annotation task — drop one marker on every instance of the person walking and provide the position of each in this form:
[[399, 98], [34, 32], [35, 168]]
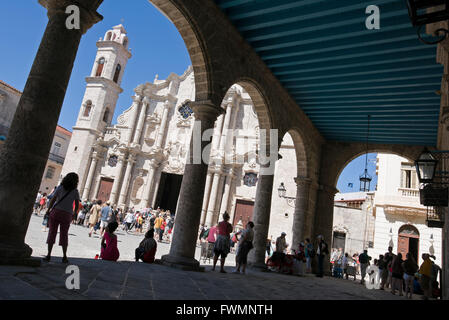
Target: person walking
[[37, 203], [310, 254], [61, 212], [94, 217], [109, 249], [245, 244], [128, 221], [157, 225], [322, 250], [425, 272], [105, 215], [383, 271], [364, 260], [162, 229], [389, 256], [397, 274], [222, 245], [345, 264], [410, 267]]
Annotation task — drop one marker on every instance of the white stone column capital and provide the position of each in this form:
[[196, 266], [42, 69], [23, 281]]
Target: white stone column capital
[[206, 110], [146, 100], [88, 11], [137, 98]]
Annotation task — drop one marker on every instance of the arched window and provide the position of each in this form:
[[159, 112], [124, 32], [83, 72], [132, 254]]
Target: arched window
[[100, 67], [108, 36], [87, 109], [125, 42], [117, 73], [106, 115]]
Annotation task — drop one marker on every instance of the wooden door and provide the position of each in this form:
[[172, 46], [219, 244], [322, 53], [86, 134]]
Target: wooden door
[[104, 192], [403, 245], [243, 211]]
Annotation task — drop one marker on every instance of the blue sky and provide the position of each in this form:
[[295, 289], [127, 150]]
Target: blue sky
[[156, 45]]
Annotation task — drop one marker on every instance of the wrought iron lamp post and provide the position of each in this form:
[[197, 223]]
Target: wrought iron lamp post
[[423, 12], [434, 191], [426, 166], [282, 191]]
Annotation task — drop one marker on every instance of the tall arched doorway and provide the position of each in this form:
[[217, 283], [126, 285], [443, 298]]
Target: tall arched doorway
[[408, 241]]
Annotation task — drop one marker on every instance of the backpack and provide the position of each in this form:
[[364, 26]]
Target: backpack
[[311, 252], [206, 234]]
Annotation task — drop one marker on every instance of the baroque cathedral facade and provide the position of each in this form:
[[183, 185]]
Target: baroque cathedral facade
[[139, 162]]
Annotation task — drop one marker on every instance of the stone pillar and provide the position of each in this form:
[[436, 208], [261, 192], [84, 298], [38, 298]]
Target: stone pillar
[[24, 155], [227, 192], [206, 198], [217, 133], [163, 127], [117, 180], [219, 200], [97, 188], [210, 218], [301, 210], [90, 176], [156, 182], [182, 250], [137, 100], [141, 122], [324, 218], [149, 184], [261, 219], [226, 124], [126, 180]]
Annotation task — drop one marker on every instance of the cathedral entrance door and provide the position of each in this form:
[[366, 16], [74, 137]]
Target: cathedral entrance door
[[104, 192], [168, 193], [243, 211], [408, 241]]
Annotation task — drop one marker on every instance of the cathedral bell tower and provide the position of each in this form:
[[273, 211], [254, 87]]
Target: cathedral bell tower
[[99, 102]]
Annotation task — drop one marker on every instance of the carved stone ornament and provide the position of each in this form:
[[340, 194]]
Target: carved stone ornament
[[112, 161], [250, 179]]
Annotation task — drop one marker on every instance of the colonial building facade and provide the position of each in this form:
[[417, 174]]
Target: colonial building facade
[[139, 162], [390, 216]]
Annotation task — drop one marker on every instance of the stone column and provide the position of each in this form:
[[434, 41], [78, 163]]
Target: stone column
[[210, 218], [156, 182], [163, 127], [24, 155], [227, 192], [304, 210], [182, 250], [97, 188], [324, 218], [217, 133], [117, 180], [137, 100], [126, 180], [219, 200], [227, 121], [141, 122], [261, 219], [149, 185], [91, 174], [206, 198]]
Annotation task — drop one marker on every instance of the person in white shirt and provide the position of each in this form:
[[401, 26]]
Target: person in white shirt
[[245, 245]]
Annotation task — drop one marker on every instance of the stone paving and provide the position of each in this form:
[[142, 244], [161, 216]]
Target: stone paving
[[127, 280]]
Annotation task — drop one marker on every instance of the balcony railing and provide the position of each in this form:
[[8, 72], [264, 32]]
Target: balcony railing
[[406, 192], [56, 158]]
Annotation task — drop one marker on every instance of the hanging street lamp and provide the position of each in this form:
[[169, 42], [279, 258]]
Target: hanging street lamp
[[426, 166], [282, 191], [423, 12], [365, 178]]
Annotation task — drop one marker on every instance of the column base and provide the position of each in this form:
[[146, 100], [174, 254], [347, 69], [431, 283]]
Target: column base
[[185, 264], [20, 255], [258, 266]]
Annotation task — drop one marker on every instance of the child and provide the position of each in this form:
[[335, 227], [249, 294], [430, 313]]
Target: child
[[147, 248], [109, 250]]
